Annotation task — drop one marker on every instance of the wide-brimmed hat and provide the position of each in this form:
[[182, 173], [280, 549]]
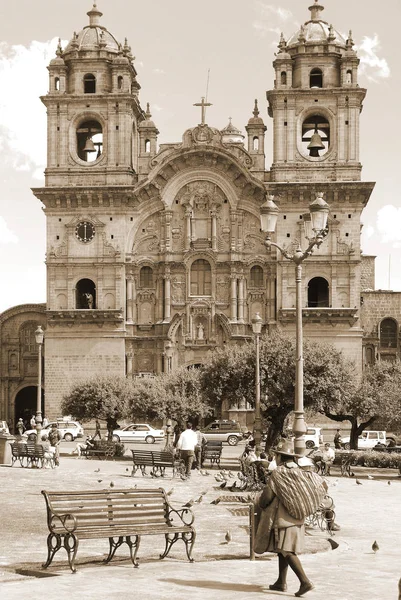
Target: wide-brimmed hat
[[286, 448]]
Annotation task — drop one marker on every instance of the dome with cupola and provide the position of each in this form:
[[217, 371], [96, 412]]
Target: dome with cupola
[[93, 37], [316, 30]]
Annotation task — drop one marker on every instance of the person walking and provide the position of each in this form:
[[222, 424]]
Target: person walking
[[337, 440], [55, 439], [200, 446], [289, 496], [97, 430], [186, 445], [32, 422]]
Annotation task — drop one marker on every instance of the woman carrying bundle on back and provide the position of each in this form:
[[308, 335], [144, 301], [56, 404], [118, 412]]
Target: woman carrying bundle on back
[[289, 496]]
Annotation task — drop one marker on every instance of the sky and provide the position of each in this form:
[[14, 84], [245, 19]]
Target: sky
[[176, 44]]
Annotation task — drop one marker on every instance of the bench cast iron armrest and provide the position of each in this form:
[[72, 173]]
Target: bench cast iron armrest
[[185, 514], [55, 520]]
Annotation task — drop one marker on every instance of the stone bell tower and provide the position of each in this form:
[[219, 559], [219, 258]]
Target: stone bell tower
[[93, 117], [315, 105]]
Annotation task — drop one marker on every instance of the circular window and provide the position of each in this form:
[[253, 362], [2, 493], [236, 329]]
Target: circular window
[[85, 232]]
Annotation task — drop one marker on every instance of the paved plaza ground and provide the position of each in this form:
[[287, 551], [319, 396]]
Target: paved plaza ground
[[367, 512]]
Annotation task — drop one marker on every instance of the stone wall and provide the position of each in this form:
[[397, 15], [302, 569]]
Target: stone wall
[[368, 273]]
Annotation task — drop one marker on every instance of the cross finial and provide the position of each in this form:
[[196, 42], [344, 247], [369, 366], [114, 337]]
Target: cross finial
[[203, 104]]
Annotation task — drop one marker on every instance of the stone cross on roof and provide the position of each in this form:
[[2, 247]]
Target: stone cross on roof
[[203, 104]]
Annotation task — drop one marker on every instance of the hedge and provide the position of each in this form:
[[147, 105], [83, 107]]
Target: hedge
[[370, 458]]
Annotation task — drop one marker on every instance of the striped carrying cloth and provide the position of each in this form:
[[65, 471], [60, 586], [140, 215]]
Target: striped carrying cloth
[[300, 491]]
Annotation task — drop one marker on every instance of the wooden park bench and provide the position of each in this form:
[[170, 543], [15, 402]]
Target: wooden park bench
[[212, 451], [122, 516], [30, 455], [100, 449], [158, 461]]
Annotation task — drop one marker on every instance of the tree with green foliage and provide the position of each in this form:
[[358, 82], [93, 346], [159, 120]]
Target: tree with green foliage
[[230, 375], [376, 397]]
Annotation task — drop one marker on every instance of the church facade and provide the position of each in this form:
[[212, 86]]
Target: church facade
[[155, 255]]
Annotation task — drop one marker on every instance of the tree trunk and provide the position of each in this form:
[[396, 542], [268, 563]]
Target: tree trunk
[[353, 439]]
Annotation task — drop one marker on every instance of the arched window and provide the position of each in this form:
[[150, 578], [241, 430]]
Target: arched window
[[283, 78], [57, 84], [89, 140], [147, 145], [318, 293], [85, 294], [255, 143], [257, 276], [348, 76], [388, 333], [89, 84], [146, 277], [120, 81], [315, 136], [201, 278], [316, 78]]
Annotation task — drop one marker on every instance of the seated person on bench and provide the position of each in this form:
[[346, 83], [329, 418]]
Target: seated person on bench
[[83, 446]]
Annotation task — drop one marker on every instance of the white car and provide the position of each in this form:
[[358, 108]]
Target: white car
[[69, 430], [367, 440], [138, 432], [313, 437]]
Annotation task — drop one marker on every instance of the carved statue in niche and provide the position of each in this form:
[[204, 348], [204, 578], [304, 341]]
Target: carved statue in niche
[[200, 332]]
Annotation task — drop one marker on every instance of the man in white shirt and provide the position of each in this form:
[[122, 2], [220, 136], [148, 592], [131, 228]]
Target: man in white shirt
[[186, 445], [328, 456]]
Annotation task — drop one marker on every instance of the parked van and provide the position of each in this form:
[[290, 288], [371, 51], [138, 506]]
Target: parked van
[[367, 440]]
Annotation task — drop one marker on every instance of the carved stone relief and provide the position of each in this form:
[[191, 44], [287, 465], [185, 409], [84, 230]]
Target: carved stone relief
[[223, 288], [148, 236], [178, 289]]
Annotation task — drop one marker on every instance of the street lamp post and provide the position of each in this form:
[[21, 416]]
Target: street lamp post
[[319, 210], [39, 335], [257, 328]]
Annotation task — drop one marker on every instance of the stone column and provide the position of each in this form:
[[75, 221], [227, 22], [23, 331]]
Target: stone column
[[188, 215], [134, 300], [213, 215], [130, 358], [167, 297], [129, 299], [233, 297], [241, 300]]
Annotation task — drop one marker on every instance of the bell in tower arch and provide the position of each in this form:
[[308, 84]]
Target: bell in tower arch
[[315, 144]]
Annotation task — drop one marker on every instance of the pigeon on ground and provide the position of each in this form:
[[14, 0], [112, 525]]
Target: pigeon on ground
[[127, 469], [233, 486], [99, 480], [170, 492], [223, 485], [218, 478], [189, 503], [111, 484], [204, 493], [216, 501], [333, 544], [228, 537], [358, 482], [375, 546], [389, 483], [370, 477], [231, 474], [97, 470], [198, 500]]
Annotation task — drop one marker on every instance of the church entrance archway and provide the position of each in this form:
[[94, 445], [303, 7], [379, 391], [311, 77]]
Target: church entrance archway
[[25, 404]]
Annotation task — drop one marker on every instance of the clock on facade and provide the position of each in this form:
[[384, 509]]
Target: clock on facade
[[85, 231]]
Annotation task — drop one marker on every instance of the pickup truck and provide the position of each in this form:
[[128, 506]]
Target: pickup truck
[[367, 440]]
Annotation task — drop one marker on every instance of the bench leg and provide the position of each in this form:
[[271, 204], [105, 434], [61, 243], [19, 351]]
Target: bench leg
[[133, 545], [187, 538], [71, 546], [113, 547], [53, 545]]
